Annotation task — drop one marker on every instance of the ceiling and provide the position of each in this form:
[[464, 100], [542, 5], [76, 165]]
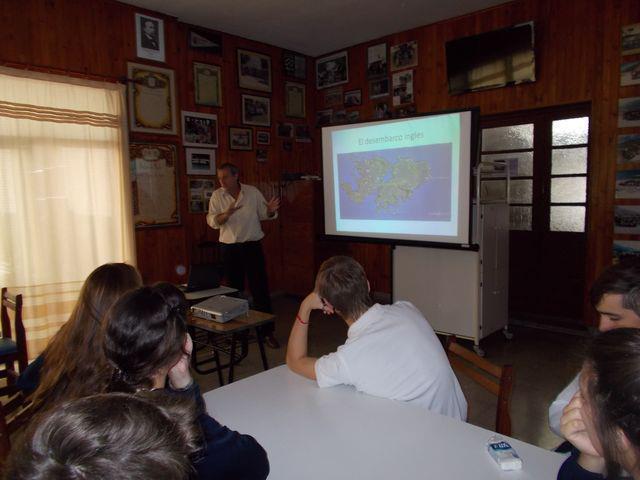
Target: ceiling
[[313, 27]]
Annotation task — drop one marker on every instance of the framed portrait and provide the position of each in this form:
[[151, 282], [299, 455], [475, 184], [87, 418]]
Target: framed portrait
[[201, 161], [149, 37], [207, 81], [340, 116], [154, 184], [353, 116], [256, 111], [263, 138], [352, 98], [631, 39], [303, 134], [628, 148], [294, 100], [285, 130], [240, 138], [404, 55], [381, 111], [402, 87], [629, 112], [630, 73], [261, 155], [379, 88], [152, 105], [294, 65], [254, 71], [199, 129], [333, 97], [377, 60], [324, 117], [626, 219], [205, 41], [200, 191], [332, 70]]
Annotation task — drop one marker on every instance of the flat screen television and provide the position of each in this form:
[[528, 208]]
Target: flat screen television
[[492, 59], [401, 181]]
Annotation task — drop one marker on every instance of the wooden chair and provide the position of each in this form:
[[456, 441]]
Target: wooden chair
[[12, 348], [14, 414], [495, 379]]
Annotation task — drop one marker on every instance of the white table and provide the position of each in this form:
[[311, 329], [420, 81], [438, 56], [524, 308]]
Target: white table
[[337, 433]]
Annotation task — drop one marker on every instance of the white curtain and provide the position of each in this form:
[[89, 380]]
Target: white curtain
[[65, 202]]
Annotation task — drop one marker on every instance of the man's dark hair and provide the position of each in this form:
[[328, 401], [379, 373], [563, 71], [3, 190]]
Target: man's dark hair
[[106, 436], [145, 330], [622, 279], [343, 283], [230, 167]]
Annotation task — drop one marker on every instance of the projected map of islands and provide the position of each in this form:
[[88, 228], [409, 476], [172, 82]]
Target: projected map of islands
[[409, 183]]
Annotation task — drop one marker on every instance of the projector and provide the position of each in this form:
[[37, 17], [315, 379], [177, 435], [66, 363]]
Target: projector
[[221, 308]]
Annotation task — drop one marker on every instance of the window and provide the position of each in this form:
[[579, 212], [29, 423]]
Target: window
[[64, 191]]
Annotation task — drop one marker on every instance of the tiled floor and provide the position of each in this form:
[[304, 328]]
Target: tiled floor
[[544, 362]]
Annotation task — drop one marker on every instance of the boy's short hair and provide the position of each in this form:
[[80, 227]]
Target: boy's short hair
[[343, 283], [621, 279], [233, 169], [115, 435]]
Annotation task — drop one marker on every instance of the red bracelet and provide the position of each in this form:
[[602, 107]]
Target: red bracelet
[[300, 320]]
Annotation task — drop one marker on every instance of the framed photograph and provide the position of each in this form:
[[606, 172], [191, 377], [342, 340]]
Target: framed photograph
[[629, 112], [623, 250], [152, 105], [405, 111], [154, 184], [201, 161], [332, 70], [381, 111], [630, 73], [353, 116], [294, 100], [199, 129], [404, 55], [261, 155], [149, 37], [340, 116], [294, 65], [285, 130], [240, 138], [324, 117], [626, 219], [628, 184], [263, 138], [207, 84], [377, 60], [379, 88], [402, 86], [333, 97], [254, 71], [352, 98], [200, 191], [256, 110], [205, 41], [631, 39], [628, 148], [303, 134]]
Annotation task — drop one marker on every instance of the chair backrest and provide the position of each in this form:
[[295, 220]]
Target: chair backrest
[[14, 303], [497, 380], [15, 413]]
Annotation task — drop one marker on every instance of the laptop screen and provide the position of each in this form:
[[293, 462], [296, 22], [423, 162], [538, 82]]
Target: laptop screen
[[203, 277]]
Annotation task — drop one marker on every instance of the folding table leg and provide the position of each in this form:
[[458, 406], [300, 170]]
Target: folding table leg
[[232, 354], [260, 338]]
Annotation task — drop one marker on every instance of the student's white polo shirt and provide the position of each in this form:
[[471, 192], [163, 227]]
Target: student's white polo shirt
[[392, 352]]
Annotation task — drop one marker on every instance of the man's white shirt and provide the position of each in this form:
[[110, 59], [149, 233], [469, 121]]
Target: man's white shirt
[[392, 352]]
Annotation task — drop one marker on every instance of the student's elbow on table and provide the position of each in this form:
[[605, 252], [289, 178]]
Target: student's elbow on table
[[304, 366]]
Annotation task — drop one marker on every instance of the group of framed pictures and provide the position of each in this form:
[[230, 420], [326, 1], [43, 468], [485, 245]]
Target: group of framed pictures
[[241, 138], [627, 215]]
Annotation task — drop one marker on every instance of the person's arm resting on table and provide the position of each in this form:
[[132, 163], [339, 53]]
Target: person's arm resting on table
[[297, 359]]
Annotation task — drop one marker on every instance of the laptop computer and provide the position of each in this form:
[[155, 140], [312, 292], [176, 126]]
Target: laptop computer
[[203, 277]]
